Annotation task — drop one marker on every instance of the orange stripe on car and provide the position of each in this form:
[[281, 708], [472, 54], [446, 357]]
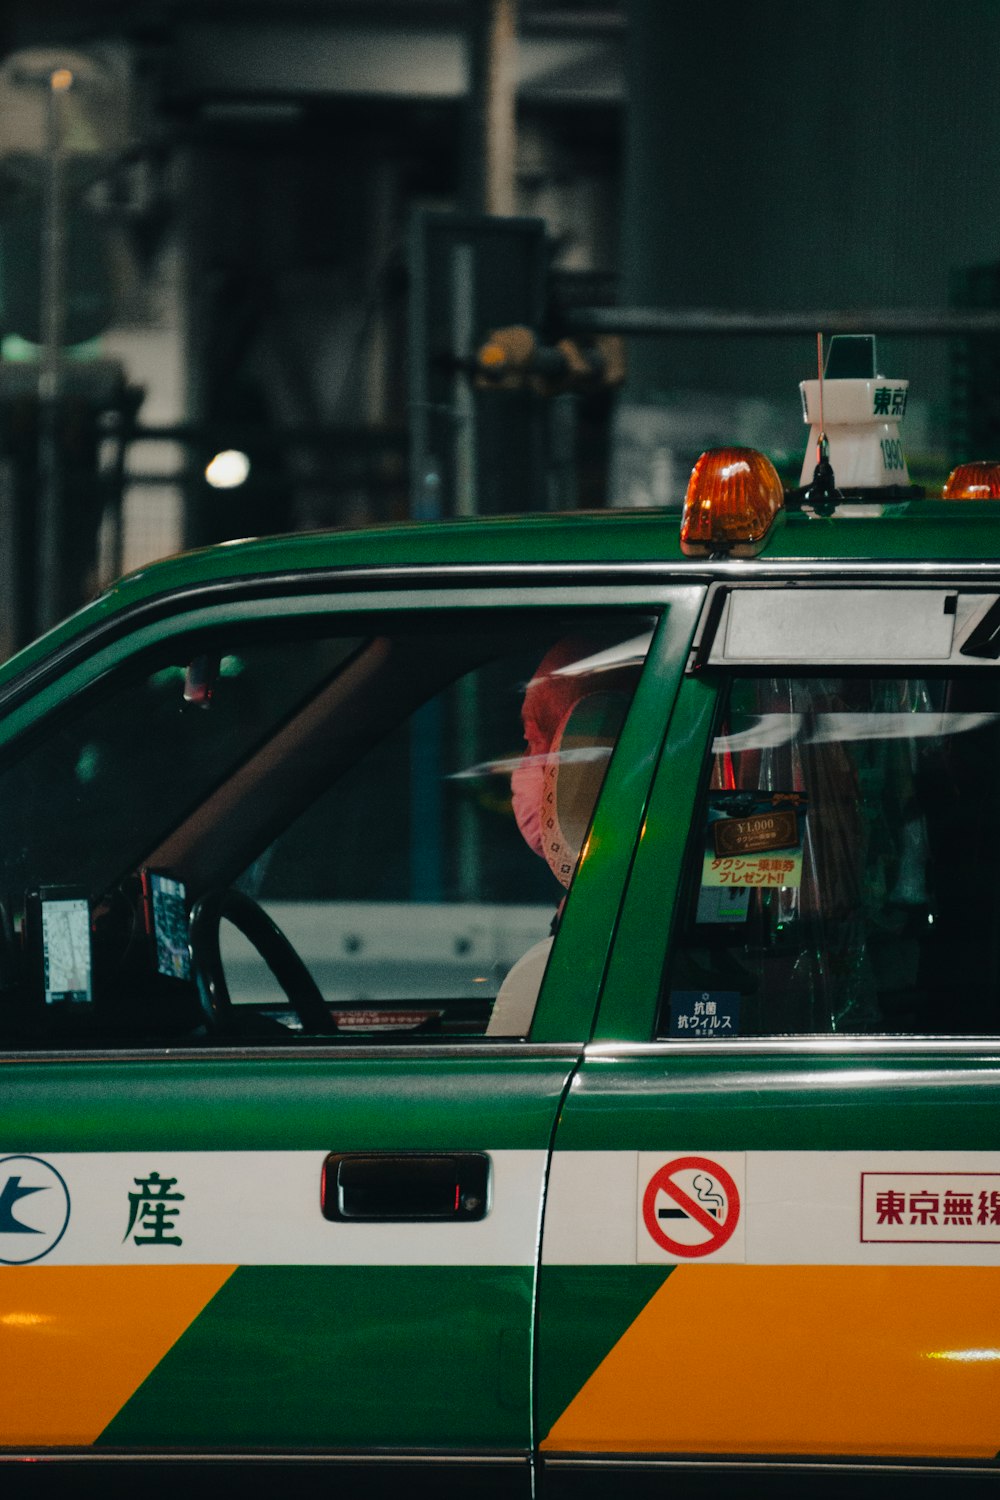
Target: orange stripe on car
[[878, 1361], [76, 1342]]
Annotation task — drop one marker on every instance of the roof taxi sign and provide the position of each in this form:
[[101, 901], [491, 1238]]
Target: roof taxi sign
[[859, 411]]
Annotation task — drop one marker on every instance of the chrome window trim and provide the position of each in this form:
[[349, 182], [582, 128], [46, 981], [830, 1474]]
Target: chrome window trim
[[987, 1048], [752, 1465], [122, 1457], [567, 1052], [914, 571], [801, 1046], [336, 593], [581, 575]]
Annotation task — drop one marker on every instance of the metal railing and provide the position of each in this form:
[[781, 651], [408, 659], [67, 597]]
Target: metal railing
[[652, 322]]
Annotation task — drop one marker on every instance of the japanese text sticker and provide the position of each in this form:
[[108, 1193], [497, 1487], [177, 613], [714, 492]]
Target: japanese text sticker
[[754, 839]]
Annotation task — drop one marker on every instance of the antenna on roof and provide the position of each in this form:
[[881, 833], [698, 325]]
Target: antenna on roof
[[823, 494], [822, 446]]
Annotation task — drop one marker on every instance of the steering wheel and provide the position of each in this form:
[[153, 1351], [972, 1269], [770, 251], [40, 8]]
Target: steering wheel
[[252, 920]]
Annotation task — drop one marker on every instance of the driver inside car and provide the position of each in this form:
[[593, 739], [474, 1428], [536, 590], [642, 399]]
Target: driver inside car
[[572, 711]]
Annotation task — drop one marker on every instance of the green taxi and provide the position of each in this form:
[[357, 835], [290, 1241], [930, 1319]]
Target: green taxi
[[510, 1007]]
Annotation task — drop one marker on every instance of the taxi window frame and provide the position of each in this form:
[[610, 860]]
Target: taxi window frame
[[631, 998], [35, 697], [723, 681]]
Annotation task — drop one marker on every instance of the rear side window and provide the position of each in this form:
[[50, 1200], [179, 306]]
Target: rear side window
[[843, 873]]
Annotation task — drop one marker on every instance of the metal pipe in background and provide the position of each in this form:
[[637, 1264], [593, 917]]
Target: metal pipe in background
[[658, 322], [50, 605], [491, 139]]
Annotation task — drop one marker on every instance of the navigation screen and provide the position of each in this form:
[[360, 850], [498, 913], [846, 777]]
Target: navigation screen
[[170, 927], [66, 950]]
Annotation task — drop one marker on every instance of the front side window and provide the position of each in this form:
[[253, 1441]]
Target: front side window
[[842, 872], [404, 798], [425, 884], [85, 798]]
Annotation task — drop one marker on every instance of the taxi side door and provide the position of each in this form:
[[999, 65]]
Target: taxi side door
[[326, 1250], [773, 1226]]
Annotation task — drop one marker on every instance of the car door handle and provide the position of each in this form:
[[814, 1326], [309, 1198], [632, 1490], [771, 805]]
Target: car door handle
[[405, 1186]]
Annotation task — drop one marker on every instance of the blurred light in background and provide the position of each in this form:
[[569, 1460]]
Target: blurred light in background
[[228, 469]]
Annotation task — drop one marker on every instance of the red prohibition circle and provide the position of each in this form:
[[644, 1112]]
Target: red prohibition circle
[[662, 1181]]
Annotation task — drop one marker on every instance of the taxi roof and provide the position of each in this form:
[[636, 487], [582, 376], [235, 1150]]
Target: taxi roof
[[916, 529], [919, 531]]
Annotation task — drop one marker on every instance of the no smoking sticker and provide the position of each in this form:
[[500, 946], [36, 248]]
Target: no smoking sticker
[[691, 1207]]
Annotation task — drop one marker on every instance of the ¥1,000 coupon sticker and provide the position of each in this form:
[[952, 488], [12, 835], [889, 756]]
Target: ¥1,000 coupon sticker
[[691, 1207], [753, 839]]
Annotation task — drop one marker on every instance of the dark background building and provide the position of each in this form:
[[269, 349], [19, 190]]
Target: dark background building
[[273, 226]]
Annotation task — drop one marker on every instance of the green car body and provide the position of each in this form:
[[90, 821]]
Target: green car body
[[547, 1334]]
